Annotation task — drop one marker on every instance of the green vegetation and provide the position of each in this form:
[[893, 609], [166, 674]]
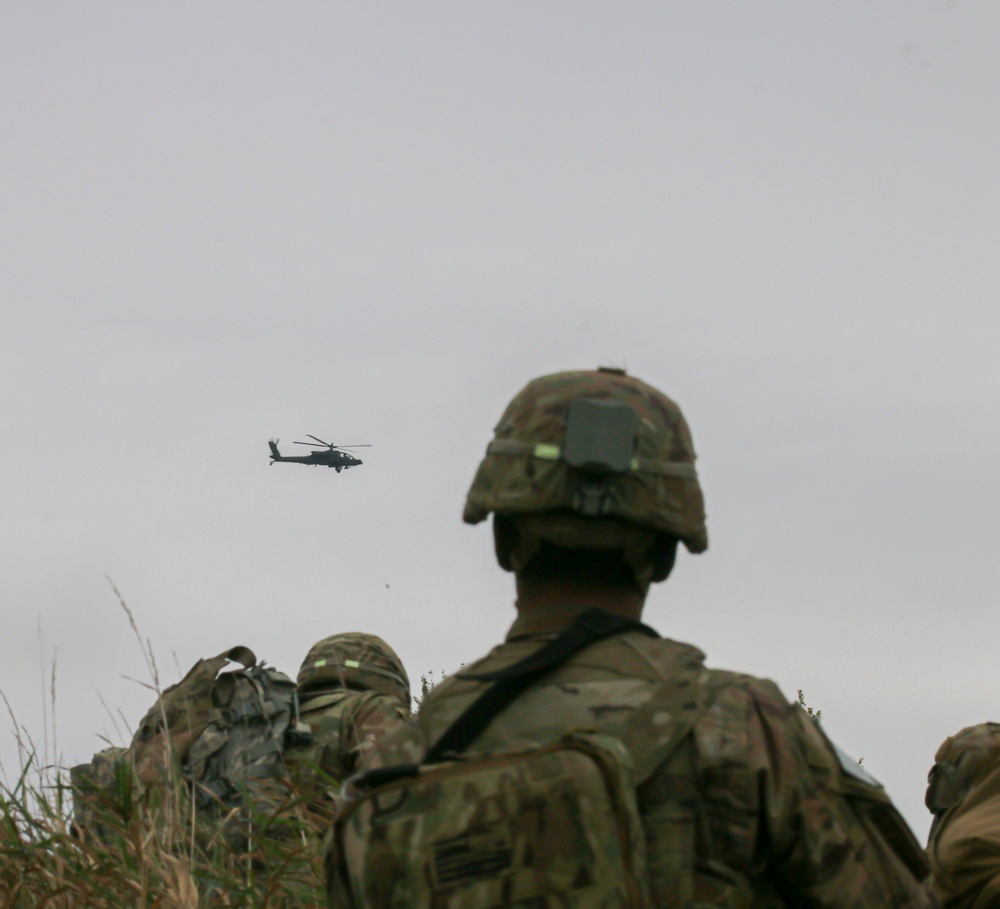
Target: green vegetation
[[427, 682], [817, 715], [149, 850]]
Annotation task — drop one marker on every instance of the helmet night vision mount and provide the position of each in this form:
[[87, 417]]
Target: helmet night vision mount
[[600, 443]]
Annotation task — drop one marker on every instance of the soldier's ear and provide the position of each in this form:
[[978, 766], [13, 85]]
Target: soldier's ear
[[663, 555], [504, 540]]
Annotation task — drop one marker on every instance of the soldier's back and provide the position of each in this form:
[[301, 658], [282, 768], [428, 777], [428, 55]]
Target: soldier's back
[[753, 809], [345, 726]]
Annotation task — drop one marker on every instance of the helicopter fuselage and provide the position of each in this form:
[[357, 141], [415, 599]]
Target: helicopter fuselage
[[338, 460]]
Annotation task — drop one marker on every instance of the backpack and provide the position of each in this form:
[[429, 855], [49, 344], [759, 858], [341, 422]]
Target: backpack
[[225, 731], [550, 824], [102, 791]]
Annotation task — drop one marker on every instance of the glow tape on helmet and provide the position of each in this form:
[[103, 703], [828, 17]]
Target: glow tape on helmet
[[367, 667], [547, 452]]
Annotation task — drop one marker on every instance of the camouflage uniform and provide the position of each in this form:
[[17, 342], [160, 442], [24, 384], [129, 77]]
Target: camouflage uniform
[[352, 689], [963, 793], [754, 809]]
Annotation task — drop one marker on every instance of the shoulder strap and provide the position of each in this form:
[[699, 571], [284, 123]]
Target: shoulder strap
[[590, 626]]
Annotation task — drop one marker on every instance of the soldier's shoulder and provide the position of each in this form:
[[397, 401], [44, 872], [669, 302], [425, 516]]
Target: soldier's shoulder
[[372, 706], [747, 718], [404, 742], [763, 693], [635, 654], [670, 657], [786, 734], [742, 698]]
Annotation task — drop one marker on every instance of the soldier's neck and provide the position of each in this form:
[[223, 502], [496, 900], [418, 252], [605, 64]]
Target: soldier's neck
[[536, 597]]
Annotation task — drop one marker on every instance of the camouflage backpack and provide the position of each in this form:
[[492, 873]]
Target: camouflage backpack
[[545, 824], [103, 790], [225, 731]]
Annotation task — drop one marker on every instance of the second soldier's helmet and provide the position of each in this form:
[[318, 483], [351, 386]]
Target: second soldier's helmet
[[584, 458], [962, 762], [363, 662]]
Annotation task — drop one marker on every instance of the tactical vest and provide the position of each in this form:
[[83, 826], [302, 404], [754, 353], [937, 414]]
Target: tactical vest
[[533, 822]]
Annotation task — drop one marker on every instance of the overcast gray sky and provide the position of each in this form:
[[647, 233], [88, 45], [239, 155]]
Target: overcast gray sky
[[222, 222]]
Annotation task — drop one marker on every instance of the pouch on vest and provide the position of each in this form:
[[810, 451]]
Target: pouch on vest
[[558, 821]]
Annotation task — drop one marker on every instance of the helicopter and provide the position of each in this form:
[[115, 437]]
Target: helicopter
[[334, 456]]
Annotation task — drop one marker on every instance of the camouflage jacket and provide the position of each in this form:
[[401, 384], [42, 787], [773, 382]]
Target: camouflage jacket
[[964, 794], [964, 851], [345, 724], [753, 810]]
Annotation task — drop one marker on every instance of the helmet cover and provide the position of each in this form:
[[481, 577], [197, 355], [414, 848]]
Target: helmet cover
[[526, 470], [355, 660]]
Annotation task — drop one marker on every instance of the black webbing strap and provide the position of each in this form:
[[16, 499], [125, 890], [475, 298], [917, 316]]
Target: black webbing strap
[[588, 627]]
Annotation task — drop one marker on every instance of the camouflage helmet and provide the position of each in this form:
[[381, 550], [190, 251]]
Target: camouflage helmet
[[597, 445], [355, 660], [962, 762]]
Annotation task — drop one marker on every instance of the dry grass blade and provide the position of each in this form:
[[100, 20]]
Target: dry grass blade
[[180, 891], [148, 850], [98, 838]]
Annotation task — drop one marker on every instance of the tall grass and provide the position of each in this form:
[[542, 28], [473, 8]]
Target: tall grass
[[113, 844], [150, 849]]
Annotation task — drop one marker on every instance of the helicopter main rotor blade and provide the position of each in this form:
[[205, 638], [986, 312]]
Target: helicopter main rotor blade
[[321, 442], [313, 444], [350, 446]]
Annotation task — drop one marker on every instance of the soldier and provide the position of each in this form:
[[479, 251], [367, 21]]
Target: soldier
[[963, 794], [587, 762], [352, 688]]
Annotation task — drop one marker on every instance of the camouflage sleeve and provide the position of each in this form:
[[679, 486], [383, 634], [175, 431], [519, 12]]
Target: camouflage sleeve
[[378, 721], [372, 718], [824, 835], [338, 891], [955, 893], [964, 849]]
